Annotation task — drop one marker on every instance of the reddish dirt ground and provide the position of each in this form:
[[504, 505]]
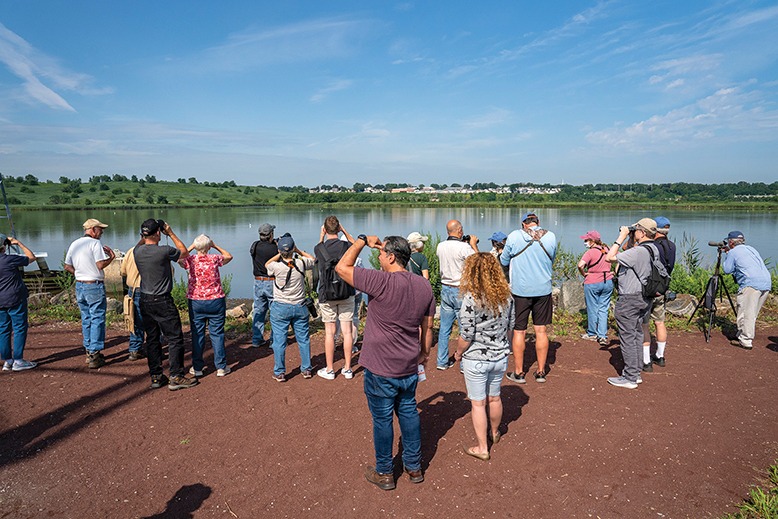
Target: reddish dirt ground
[[79, 443]]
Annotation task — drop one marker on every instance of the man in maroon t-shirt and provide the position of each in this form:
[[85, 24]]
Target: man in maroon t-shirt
[[400, 302]]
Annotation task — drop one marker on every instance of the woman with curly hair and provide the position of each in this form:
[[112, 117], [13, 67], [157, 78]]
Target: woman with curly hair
[[484, 324]]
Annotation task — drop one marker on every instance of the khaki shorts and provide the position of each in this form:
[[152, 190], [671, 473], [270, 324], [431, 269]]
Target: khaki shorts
[[657, 311], [342, 310]]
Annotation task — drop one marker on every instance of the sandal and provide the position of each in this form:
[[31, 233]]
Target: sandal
[[496, 437], [470, 452]]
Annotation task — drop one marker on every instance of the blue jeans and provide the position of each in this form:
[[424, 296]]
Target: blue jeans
[[281, 316], [209, 312], [598, 301], [13, 319], [385, 396], [92, 303], [137, 336], [263, 296], [450, 303]]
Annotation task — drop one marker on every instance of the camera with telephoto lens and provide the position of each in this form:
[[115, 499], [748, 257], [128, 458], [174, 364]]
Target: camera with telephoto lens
[[466, 239]]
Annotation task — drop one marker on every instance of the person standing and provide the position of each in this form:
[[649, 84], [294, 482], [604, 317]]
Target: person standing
[[393, 349], [657, 312], [87, 259], [418, 263], [13, 305], [529, 253], [598, 287], [486, 318], [336, 298], [129, 271], [261, 251], [207, 303], [498, 240], [634, 269], [157, 308], [750, 273], [452, 254]]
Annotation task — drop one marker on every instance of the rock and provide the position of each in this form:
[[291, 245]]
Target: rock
[[682, 306], [113, 306], [571, 297], [64, 297], [238, 311], [38, 300]]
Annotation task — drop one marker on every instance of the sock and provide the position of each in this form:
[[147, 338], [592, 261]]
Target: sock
[[660, 349], [646, 354]]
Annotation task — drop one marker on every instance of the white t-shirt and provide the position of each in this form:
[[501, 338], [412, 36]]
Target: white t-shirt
[[293, 292], [452, 255], [83, 255]]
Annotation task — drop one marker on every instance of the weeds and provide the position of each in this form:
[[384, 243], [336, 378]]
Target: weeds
[[762, 503]]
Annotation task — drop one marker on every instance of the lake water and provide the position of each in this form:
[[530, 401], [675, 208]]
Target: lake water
[[236, 228]]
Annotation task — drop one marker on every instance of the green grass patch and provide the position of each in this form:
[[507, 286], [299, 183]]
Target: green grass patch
[[762, 500]]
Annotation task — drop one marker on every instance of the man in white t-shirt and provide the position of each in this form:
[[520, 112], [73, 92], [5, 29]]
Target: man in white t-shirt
[[86, 259], [451, 254]]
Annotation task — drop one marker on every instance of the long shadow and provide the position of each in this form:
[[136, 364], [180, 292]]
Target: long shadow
[[773, 346], [184, 503], [531, 357], [513, 400], [438, 413], [616, 360]]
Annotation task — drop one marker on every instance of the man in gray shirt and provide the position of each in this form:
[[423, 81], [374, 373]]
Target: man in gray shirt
[[634, 268]]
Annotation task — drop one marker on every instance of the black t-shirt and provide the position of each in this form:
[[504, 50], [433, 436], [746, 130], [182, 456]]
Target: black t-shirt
[[261, 251], [12, 288], [336, 248], [153, 262]]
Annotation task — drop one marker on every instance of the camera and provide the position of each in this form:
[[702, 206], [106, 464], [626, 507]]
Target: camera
[[721, 245], [466, 239], [161, 224], [7, 242]]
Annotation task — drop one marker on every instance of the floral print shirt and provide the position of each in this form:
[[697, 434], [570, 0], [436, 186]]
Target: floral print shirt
[[204, 280]]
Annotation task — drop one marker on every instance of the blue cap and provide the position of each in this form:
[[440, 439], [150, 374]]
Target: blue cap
[[735, 235], [524, 218], [285, 244], [661, 221], [499, 236]]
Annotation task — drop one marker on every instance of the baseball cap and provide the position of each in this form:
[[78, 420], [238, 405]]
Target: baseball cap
[[266, 229], [524, 218], [647, 224], [498, 236], [94, 222], [417, 236], [661, 221], [735, 235], [149, 227], [591, 235], [286, 244]]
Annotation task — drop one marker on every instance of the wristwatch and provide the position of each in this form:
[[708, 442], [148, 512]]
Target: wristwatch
[[362, 237]]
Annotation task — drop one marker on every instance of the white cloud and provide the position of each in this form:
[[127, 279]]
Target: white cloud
[[494, 117], [334, 86]]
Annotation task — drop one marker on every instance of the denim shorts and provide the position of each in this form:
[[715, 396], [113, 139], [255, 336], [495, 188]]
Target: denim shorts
[[483, 377]]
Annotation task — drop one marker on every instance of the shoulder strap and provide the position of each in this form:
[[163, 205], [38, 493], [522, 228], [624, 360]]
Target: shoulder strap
[[288, 276], [325, 253], [522, 250], [534, 240]]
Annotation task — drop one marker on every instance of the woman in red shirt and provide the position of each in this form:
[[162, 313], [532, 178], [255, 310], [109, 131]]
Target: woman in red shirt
[[598, 287]]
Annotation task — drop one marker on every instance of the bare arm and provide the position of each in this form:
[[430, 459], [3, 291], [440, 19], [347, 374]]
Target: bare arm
[[304, 254], [273, 260], [623, 233], [70, 268], [104, 263], [347, 235], [426, 339], [345, 267], [168, 231], [227, 255], [474, 242], [27, 252], [425, 274], [462, 346]]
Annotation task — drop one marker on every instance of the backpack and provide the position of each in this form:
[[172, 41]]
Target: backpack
[[331, 286], [658, 280]]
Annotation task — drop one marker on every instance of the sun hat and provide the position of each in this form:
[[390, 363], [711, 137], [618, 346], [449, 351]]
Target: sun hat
[[417, 236], [647, 224], [94, 222]]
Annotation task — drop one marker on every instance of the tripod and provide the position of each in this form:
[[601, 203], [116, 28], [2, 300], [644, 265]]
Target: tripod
[[714, 288]]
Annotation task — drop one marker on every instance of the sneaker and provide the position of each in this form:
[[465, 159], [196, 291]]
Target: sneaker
[[260, 344], [588, 337], [21, 365], [7, 365], [516, 377], [94, 360], [181, 382], [603, 341], [157, 381], [223, 372], [648, 368], [659, 361], [447, 365], [639, 380], [89, 356], [307, 373], [279, 378], [540, 376], [196, 372], [354, 349], [327, 375], [622, 382], [382, 481], [347, 374], [136, 355], [416, 476]]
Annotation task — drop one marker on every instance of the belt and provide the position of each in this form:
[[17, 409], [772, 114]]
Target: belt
[[447, 285], [263, 278], [96, 281]]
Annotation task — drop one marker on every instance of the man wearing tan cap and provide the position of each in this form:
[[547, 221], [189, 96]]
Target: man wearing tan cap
[[86, 259]]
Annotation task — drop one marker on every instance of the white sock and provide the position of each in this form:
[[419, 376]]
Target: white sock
[[646, 354], [660, 349]]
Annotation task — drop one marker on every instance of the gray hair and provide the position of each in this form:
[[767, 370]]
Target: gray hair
[[202, 243], [416, 245], [398, 246]]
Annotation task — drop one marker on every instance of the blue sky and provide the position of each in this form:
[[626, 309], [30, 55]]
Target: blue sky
[[337, 92]]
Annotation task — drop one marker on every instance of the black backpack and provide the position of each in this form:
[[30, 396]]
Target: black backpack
[[658, 280], [331, 286]]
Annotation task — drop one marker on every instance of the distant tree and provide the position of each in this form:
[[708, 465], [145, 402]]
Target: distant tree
[[31, 180], [161, 199], [151, 179], [64, 180], [150, 198], [119, 178], [117, 191], [182, 181], [103, 187], [134, 178], [193, 180], [57, 199]]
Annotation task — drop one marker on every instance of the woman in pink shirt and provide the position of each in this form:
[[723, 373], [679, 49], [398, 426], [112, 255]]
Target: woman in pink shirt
[[207, 303], [598, 287]]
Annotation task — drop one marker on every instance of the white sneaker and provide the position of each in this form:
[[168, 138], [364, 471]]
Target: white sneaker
[[7, 365], [328, 375], [196, 372], [21, 365], [622, 382], [347, 374], [639, 380], [223, 372]]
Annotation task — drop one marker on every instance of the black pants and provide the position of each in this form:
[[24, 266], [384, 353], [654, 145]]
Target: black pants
[[160, 315]]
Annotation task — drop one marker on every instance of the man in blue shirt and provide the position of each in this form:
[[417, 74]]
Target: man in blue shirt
[[529, 252], [750, 273]]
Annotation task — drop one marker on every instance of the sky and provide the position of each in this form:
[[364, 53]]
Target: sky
[[337, 92]]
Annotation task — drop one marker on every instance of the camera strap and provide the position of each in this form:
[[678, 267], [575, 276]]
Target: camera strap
[[535, 239]]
